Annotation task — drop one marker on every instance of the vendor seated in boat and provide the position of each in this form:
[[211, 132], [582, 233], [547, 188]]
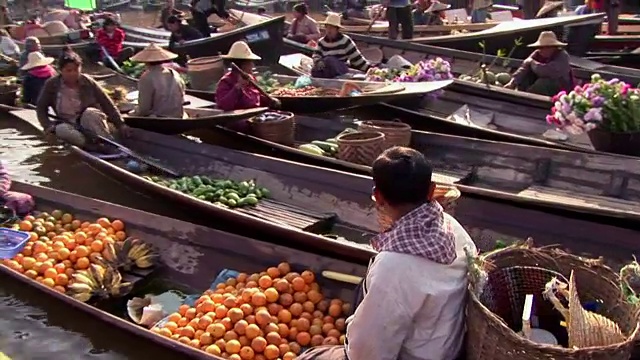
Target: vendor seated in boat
[[82, 105], [111, 39], [160, 89], [169, 10], [18, 202], [31, 44], [234, 92], [181, 32], [432, 15], [303, 28], [37, 71], [336, 52], [427, 317], [547, 71]]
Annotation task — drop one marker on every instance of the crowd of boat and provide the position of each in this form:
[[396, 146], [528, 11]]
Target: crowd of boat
[[526, 128]]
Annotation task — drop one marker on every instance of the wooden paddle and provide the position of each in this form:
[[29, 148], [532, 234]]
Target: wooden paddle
[[375, 18], [251, 81], [8, 59]]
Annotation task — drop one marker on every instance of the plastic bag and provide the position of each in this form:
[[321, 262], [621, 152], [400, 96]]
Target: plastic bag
[[302, 81]]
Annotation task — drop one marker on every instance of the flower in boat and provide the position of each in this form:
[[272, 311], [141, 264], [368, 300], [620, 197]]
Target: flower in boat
[[426, 70], [612, 105]]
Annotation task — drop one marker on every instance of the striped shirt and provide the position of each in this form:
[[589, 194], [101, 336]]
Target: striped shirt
[[344, 49]]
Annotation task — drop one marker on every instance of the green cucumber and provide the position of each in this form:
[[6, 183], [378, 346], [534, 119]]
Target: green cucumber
[[325, 146], [312, 149]]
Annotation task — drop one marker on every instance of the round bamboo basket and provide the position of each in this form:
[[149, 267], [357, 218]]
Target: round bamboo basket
[[395, 133], [492, 334], [279, 131], [360, 147], [445, 195], [9, 94], [205, 71]]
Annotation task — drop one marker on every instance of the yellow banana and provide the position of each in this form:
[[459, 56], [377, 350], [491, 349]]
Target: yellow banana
[[80, 288], [109, 252], [84, 297], [146, 261], [83, 279]]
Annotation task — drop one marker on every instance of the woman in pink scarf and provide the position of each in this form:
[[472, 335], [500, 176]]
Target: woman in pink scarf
[[18, 202], [37, 70]]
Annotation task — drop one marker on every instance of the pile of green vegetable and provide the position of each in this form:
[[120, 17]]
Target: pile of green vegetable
[[226, 193], [328, 147], [267, 82], [132, 68]]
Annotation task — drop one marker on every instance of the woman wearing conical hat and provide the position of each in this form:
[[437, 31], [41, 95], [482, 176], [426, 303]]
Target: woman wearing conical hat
[[233, 91], [160, 89], [547, 71], [429, 13]]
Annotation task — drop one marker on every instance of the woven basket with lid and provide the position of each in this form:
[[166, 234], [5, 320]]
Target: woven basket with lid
[[279, 131], [492, 337], [395, 132], [205, 71], [360, 147]]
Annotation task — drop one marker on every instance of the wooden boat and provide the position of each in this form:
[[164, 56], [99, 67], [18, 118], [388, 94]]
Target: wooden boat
[[204, 253], [503, 35], [115, 5], [372, 93], [264, 38]]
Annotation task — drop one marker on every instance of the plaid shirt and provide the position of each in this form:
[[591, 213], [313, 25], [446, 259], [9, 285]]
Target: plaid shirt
[[422, 232]]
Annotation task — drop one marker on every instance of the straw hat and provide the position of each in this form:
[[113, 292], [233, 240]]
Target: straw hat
[[240, 50], [153, 53], [437, 6], [548, 7], [333, 19], [547, 39], [36, 59]]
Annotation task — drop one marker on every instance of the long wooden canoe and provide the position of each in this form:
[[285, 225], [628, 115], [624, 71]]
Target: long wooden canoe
[[264, 38], [190, 256], [343, 199]]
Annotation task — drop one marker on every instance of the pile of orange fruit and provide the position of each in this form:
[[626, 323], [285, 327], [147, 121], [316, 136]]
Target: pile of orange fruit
[[60, 245], [263, 316]]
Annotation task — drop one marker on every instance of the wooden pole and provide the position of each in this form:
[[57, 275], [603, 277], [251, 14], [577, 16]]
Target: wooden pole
[[612, 8]]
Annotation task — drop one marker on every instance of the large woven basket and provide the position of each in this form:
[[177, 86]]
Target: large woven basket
[[492, 335], [395, 133], [279, 131], [445, 195], [205, 71], [360, 147], [9, 94]]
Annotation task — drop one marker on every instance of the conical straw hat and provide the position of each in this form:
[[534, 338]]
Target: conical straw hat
[[547, 39], [333, 19], [240, 50], [437, 6], [153, 53], [548, 7], [36, 59]]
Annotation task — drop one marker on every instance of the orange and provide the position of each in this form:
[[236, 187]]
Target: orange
[[230, 335], [271, 295], [308, 276], [25, 225], [82, 251], [273, 338], [235, 314], [273, 272], [31, 274], [75, 224], [258, 299], [171, 325], [206, 339], [63, 254], [230, 302], [60, 289], [303, 338], [49, 282], [271, 352], [165, 332], [190, 314], [246, 353], [258, 344], [120, 235], [265, 282], [82, 263], [67, 218], [217, 330], [28, 262], [289, 356], [221, 311], [73, 256], [183, 309], [204, 322], [33, 236], [104, 222], [117, 225], [298, 284], [80, 238], [60, 268], [97, 246], [188, 331], [282, 286], [62, 279], [284, 316], [335, 310], [39, 247], [213, 350], [252, 331], [263, 317], [174, 317]]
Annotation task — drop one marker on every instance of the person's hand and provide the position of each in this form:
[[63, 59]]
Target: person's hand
[[124, 131], [275, 103], [242, 82], [510, 85]]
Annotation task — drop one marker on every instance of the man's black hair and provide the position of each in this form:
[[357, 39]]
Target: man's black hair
[[173, 19], [402, 176]]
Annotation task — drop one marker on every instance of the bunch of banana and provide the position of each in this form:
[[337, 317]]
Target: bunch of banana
[[98, 282], [127, 254]]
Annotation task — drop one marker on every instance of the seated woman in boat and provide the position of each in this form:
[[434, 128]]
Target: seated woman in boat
[[81, 104], [168, 10], [234, 92], [547, 70], [433, 15], [160, 89], [8, 46], [111, 38], [336, 51], [427, 320], [18, 202], [37, 70], [303, 28], [31, 44], [181, 32]]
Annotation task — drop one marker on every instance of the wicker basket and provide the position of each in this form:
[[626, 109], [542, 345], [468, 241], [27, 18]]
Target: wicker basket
[[395, 133], [445, 195], [205, 71], [279, 131], [9, 94], [491, 333], [360, 147]]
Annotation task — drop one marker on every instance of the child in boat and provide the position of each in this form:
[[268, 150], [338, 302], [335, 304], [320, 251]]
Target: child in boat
[[336, 51], [233, 91], [37, 70], [397, 318], [547, 71], [18, 202], [160, 89]]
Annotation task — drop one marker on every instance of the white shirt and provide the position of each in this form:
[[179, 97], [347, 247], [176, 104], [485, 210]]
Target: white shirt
[[414, 308], [9, 47]]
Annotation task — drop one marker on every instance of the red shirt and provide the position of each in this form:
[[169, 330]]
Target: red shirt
[[113, 44]]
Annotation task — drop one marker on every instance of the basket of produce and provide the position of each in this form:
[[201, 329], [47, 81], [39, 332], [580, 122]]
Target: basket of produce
[[395, 132], [445, 195], [360, 147], [9, 91], [276, 126], [494, 323], [205, 71]]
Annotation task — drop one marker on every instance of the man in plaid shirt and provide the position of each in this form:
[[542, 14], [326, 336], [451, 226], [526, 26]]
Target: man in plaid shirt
[[415, 288]]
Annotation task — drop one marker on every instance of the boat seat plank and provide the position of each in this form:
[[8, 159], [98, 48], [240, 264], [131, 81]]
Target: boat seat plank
[[568, 197], [450, 177], [288, 215]]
